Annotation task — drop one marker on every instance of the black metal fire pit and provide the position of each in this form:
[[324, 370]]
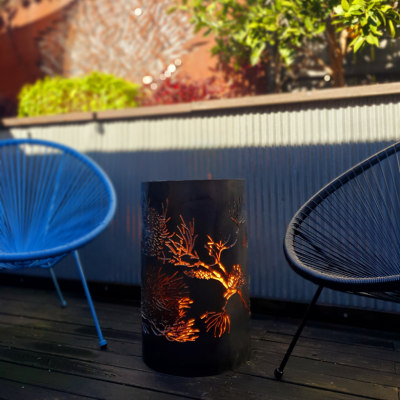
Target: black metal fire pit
[[195, 297]]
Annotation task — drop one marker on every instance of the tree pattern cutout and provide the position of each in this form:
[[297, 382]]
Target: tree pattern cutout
[[165, 301], [179, 246], [237, 213], [182, 254]]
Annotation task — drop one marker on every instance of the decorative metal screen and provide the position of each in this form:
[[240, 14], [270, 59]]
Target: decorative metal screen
[[195, 297]]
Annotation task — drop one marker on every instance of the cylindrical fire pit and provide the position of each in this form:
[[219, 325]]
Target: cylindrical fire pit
[[195, 296]]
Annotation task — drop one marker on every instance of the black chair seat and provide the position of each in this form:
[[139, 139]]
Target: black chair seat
[[347, 236]]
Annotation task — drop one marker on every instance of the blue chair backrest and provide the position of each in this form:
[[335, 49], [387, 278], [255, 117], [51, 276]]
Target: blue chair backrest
[[53, 199]]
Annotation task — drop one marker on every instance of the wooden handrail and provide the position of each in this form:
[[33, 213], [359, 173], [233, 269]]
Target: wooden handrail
[[224, 104]]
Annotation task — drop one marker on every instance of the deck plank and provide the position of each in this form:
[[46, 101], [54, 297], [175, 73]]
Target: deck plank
[[109, 320], [334, 333], [328, 355], [283, 390], [67, 327], [77, 385], [378, 353], [329, 376], [78, 315], [100, 357], [120, 354], [330, 362], [20, 391], [142, 378]]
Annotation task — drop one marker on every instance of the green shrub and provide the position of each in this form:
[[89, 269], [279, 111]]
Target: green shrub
[[94, 92]]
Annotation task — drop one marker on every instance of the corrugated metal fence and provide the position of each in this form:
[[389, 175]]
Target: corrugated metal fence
[[285, 153]]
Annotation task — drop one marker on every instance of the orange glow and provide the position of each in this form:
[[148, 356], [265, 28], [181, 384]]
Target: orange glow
[[219, 321], [237, 212], [165, 298], [183, 247], [182, 254], [165, 302], [245, 242]]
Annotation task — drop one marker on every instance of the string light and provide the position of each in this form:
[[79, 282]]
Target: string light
[[138, 11], [153, 86], [171, 68], [167, 73], [178, 62], [327, 78], [147, 79]]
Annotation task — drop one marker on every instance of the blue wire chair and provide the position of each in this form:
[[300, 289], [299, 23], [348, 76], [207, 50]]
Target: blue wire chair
[[347, 236], [53, 200]]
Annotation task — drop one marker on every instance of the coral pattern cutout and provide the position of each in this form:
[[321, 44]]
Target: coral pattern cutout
[[182, 254], [220, 321], [154, 231], [245, 242], [183, 247], [237, 212], [165, 301]]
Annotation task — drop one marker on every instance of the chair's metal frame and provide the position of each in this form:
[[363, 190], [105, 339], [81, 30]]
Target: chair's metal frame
[[47, 258], [381, 287]]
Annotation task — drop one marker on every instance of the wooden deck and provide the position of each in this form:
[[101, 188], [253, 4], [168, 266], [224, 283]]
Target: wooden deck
[[51, 353]]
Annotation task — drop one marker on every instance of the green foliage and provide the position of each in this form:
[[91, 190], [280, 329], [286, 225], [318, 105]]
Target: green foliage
[[94, 92], [367, 20], [243, 29]]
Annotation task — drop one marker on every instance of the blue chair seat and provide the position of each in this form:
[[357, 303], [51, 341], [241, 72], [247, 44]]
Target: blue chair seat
[[53, 200]]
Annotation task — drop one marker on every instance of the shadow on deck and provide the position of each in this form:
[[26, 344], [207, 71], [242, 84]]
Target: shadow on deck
[[47, 352]]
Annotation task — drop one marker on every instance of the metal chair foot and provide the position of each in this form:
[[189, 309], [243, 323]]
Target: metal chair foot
[[103, 342], [279, 371], [278, 374], [53, 276]]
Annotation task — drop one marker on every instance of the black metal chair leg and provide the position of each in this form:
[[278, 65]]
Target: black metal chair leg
[[279, 371]]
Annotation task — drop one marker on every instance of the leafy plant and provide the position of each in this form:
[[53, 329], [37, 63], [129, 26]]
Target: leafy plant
[[186, 90], [367, 20], [94, 92], [283, 31]]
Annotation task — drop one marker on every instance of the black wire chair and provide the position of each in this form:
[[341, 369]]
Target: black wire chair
[[347, 236]]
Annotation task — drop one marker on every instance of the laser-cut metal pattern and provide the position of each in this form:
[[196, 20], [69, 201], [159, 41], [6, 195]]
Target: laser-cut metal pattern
[[181, 248], [245, 242], [155, 231], [195, 298], [165, 301], [237, 211], [232, 283], [220, 321]]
